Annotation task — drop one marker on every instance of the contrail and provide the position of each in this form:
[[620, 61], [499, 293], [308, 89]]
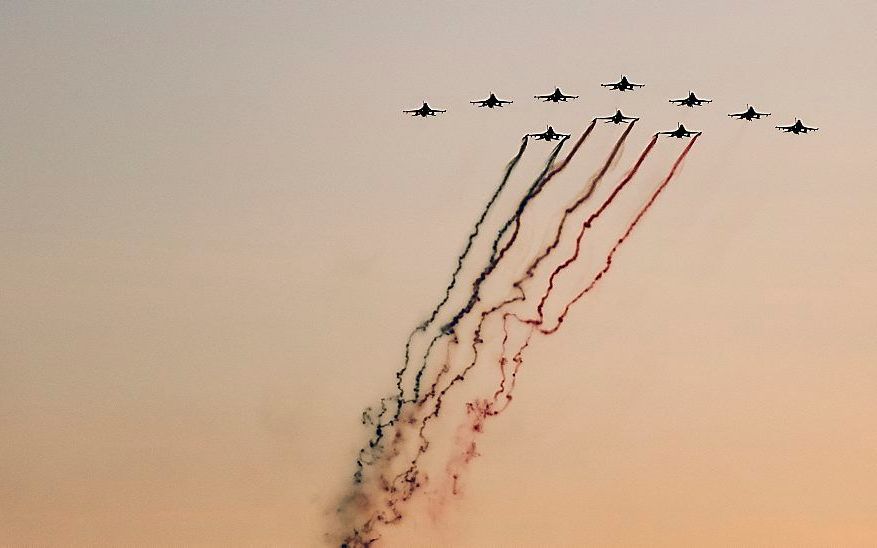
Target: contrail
[[399, 398], [497, 253], [496, 256], [618, 244], [407, 482], [518, 284], [479, 411], [477, 340], [367, 417]]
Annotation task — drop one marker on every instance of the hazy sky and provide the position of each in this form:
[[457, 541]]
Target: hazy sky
[[217, 229]]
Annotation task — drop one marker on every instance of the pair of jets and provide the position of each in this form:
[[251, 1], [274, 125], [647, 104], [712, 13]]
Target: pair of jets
[[558, 96], [751, 114], [551, 135]]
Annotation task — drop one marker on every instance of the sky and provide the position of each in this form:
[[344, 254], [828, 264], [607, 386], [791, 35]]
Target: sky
[[217, 230]]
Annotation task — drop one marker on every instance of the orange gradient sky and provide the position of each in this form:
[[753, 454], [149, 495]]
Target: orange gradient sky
[[217, 230]]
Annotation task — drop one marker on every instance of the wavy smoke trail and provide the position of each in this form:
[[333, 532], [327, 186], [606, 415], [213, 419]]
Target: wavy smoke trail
[[405, 483], [402, 487], [479, 411], [369, 416], [367, 454], [530, 272]]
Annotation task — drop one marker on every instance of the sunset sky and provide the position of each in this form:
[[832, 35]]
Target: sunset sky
[[217, 230]]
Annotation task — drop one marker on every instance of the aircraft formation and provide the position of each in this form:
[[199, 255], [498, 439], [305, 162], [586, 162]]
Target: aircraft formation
[[557, 96]]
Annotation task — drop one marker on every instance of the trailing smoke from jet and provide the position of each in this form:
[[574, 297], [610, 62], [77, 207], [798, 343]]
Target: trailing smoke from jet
[[396, 458]]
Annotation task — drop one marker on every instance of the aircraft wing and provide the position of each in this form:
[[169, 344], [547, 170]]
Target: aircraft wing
[[739, 115]]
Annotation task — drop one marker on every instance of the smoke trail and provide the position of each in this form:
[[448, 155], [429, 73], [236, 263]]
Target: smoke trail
[[477, 340], [374, 444], [479, 411], [575, 205], [583, 197], [460, 260], [497, 254], [404, 484], [618, 244], [367, 416]]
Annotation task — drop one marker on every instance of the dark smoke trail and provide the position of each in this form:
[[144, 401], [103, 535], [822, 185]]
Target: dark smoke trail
[[497, 254], [367, 417], [572, 208], [460, 260], [518, 284], [477, 340], [479, 411], [620, 241]]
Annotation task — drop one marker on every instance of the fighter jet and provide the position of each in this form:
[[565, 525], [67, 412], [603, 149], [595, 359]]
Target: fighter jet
[[679, 132], [617, 118], [556, 96], [797, 127], [491, 102], [622, 85], [548, 135], [424, 111], [749, 114], [691, 100]]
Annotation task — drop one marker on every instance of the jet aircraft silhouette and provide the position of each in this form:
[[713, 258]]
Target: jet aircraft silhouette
[[749, 114], [491, 102], [424, 111], [622, 85], [617, 118], [797, 127], [556, 96], [548, 135], [691, 100], [679, 132]]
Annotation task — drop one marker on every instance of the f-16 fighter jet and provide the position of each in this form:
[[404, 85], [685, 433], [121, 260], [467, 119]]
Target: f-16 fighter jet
[[797, 127], [750, 114], [617, 118], [424, 111], [548, 135], [691, 100], [679, 132], [491, 102], [622, 85], [556, 96]]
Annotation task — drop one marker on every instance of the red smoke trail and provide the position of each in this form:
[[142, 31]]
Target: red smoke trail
[[592, 185], [621, 240], [591, 219], [497, 254], [406, 483], [480, 410], [572, 208], [477, 340]]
